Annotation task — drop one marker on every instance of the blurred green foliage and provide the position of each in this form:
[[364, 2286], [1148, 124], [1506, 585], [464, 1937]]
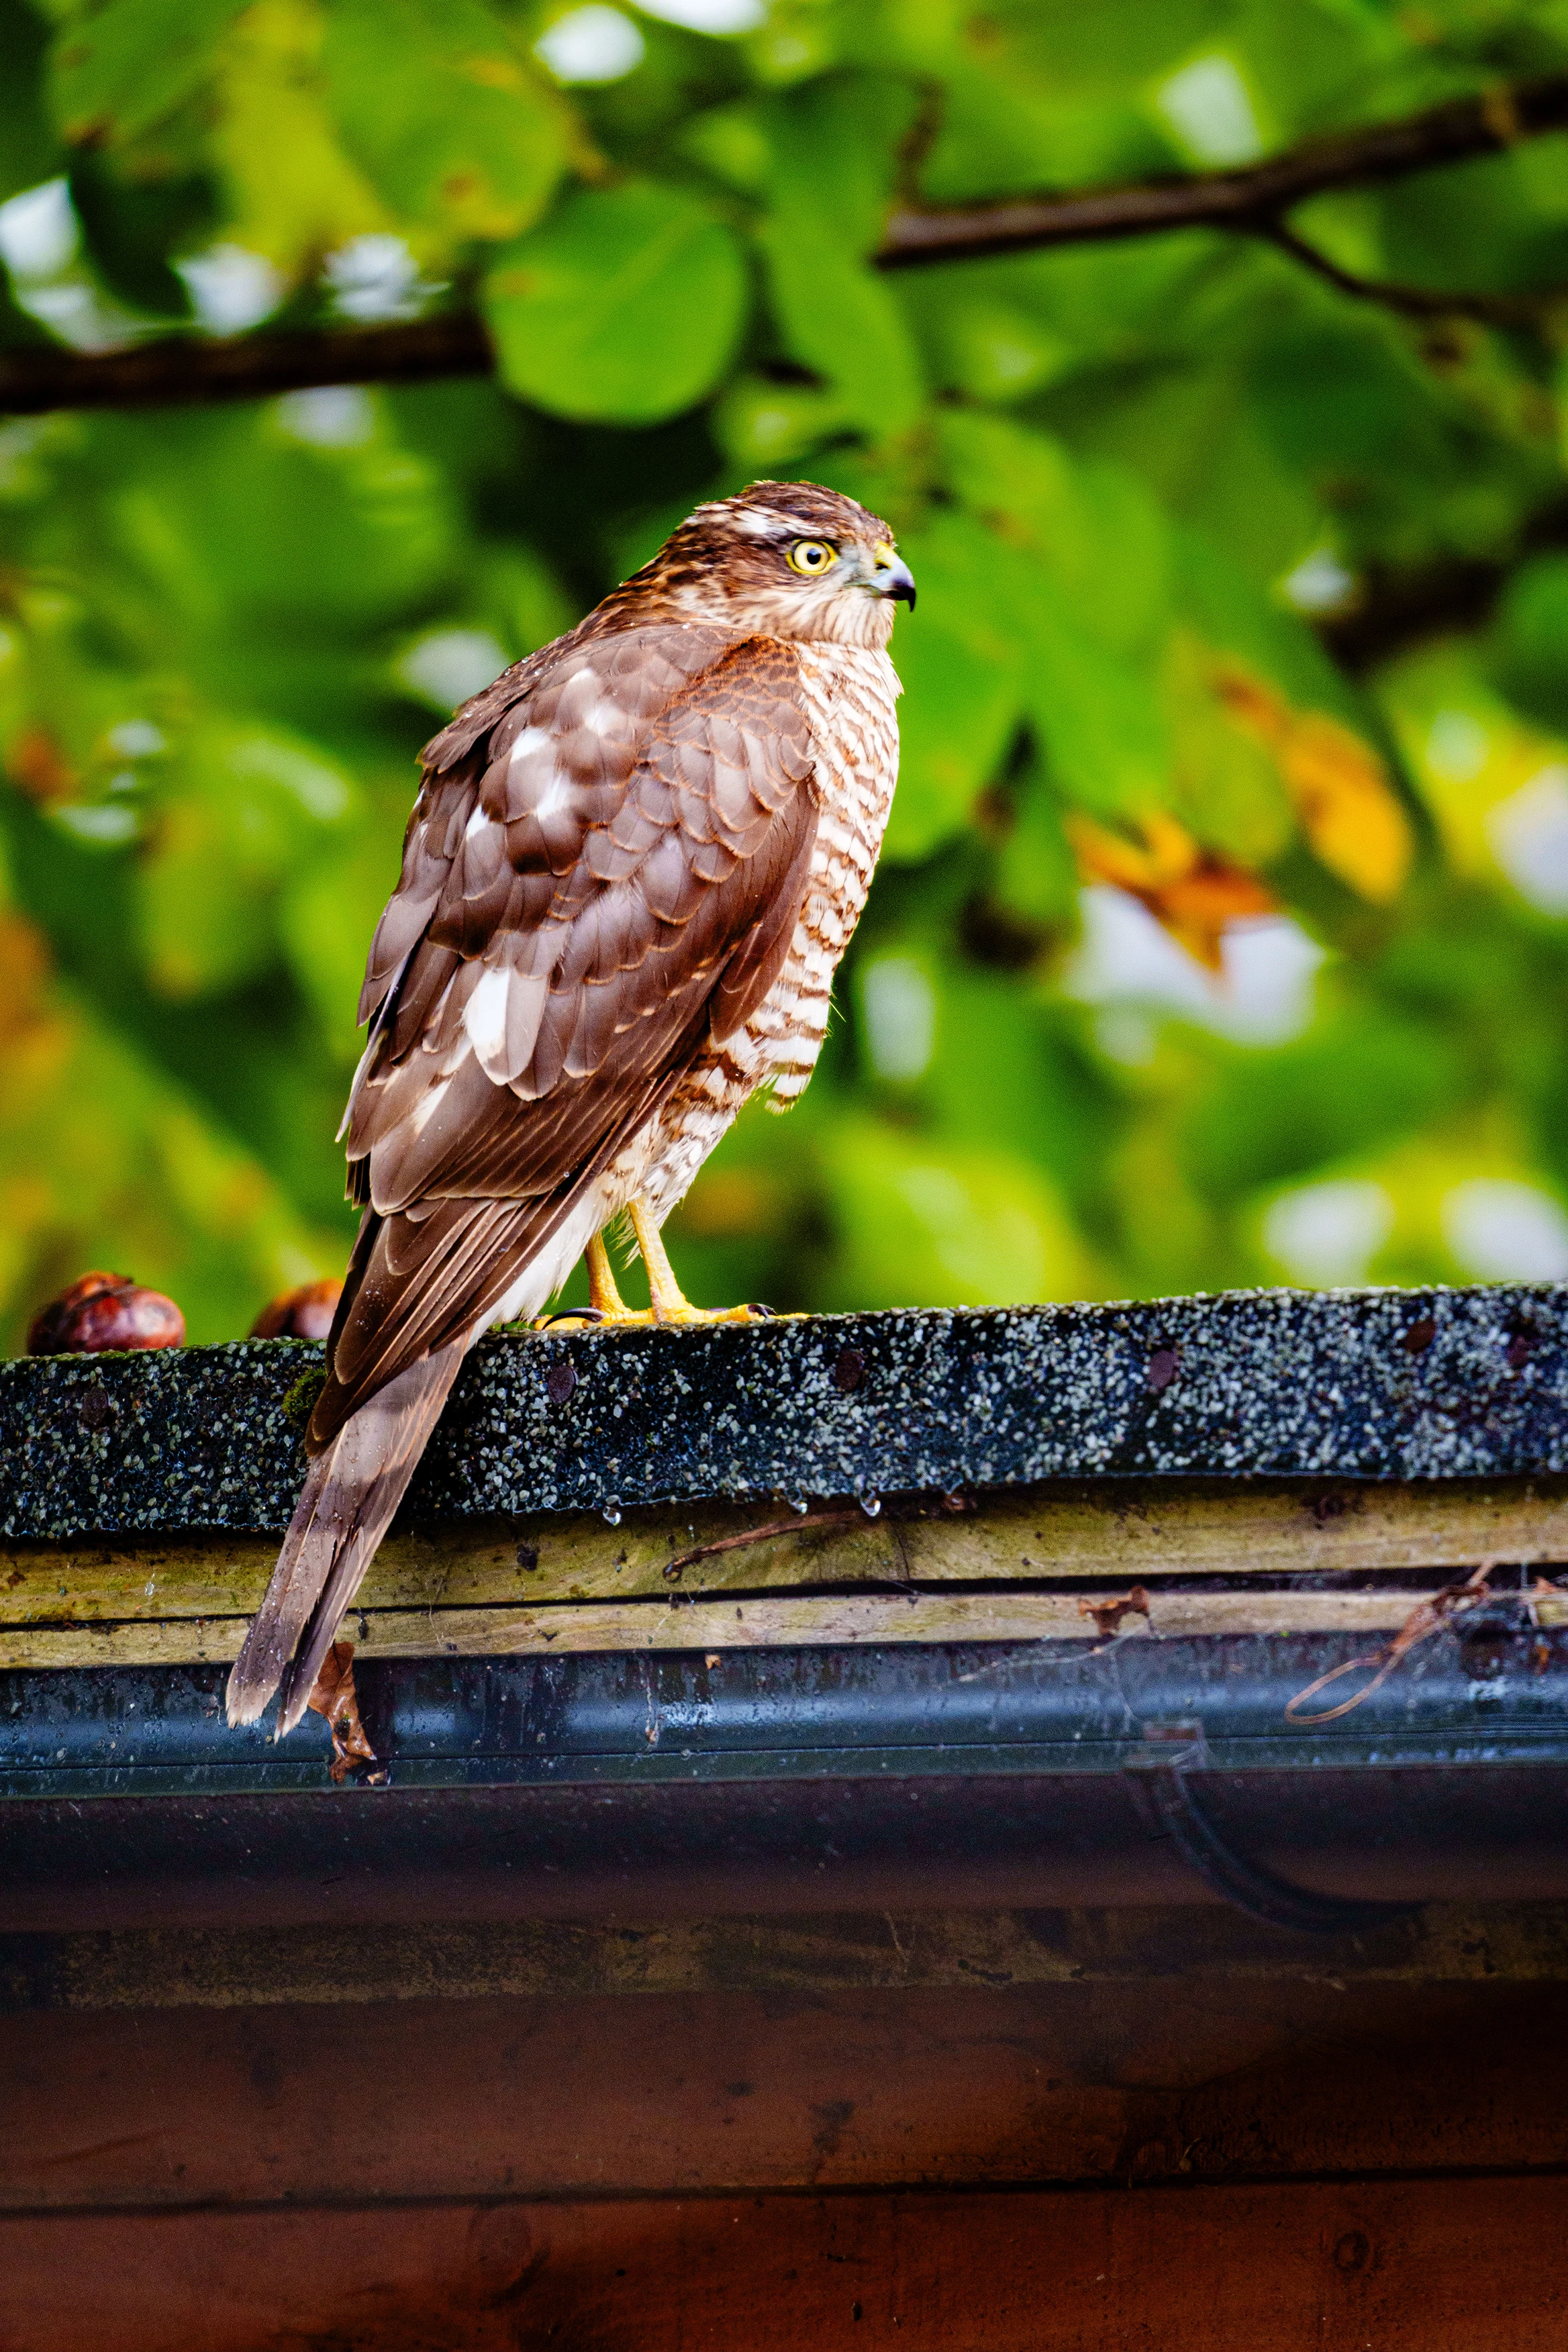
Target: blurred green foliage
[[1222, 932]]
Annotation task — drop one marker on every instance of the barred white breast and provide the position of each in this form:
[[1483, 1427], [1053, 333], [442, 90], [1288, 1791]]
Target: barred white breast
[[850, 692]]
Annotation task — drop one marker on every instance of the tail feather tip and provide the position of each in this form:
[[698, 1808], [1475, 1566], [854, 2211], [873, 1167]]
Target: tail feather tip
[[247, 1696]]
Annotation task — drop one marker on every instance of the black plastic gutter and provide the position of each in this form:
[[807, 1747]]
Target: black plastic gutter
[[1045, 1773]]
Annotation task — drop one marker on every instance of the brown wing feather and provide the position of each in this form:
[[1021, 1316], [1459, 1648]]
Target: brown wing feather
[[602, 872], [419, 1281]]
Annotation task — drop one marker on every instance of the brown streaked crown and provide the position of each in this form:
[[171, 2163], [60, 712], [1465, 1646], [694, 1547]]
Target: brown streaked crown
[[725, 566]]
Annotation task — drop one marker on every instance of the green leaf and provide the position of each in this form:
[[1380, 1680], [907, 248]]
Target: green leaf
[[1226, 788], [1098, 717], [1353, 1083], [625, 306], [328, 910], [132, 230], [118, 72], [1036, 873], [960, 661], [249, 510], [248, 805], [444, 113], [1095, 528], [833, 147], [762, 427], [843, 323], [271, 103], [29, 150], [1530, 641], [926, 1221], [1229, 611], [105, 1162]]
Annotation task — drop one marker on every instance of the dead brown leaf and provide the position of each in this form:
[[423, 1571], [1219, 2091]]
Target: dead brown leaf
[[1107, 1614], [334, 1696]]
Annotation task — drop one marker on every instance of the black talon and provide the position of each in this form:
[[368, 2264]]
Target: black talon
[[755, 1307], [571, 1315]]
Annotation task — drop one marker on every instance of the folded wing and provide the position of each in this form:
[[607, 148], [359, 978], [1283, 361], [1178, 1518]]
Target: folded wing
[[603, 869]]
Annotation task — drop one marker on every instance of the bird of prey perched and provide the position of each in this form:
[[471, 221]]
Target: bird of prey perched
[[632, 868]]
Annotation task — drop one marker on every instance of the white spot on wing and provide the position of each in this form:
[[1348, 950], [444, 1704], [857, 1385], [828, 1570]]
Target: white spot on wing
[[501, 1020], [426, 1106], [484, 1016]]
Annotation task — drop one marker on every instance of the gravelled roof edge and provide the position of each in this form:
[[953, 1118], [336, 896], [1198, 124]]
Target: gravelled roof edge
[[1364, 1384]]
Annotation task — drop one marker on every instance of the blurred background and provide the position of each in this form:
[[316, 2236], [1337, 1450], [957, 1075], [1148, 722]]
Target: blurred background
[[1221, 935]]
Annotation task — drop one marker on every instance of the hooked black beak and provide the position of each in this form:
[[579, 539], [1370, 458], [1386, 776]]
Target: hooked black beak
[[896, 582]]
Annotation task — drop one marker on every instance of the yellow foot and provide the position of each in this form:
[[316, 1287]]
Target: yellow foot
[[607, 1310], [670, 1303]]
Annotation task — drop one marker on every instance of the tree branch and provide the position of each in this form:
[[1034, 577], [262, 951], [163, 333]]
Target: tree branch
[[179, 368], [1251, 201]]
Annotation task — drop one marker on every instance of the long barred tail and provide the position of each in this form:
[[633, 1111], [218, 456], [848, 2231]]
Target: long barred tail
[[353, 1487]]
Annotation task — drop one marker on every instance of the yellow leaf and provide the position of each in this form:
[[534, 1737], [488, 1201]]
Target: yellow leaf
[[1341, 788]]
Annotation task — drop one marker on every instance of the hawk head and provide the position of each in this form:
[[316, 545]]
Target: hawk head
[[782, 560]]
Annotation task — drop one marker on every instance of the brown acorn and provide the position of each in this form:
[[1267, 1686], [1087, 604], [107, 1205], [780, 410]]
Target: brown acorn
[[303, 1314], [102, 1311]]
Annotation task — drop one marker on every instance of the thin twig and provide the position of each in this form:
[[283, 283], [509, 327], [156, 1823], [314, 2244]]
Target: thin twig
[[1428, 1617], [1414, 301], [798, 1525]]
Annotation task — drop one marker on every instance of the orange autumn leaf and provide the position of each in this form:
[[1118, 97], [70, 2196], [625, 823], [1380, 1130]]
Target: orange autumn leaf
[[38, 763], [1195, 894], [35, 1033], [1341, 788]]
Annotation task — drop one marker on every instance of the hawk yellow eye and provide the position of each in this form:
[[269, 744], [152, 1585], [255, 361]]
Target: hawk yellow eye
[[811, 556]]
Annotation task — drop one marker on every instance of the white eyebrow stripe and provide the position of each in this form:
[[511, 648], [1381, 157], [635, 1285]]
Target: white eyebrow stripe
[[760, 524]]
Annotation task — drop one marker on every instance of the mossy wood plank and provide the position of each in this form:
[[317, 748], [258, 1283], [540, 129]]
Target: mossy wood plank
[[1133, 1532], [769, 1621], [187, 1966]]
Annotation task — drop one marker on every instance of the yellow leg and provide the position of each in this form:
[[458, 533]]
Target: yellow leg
[[670, 1303], [607, 1308], [603, 1295]]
